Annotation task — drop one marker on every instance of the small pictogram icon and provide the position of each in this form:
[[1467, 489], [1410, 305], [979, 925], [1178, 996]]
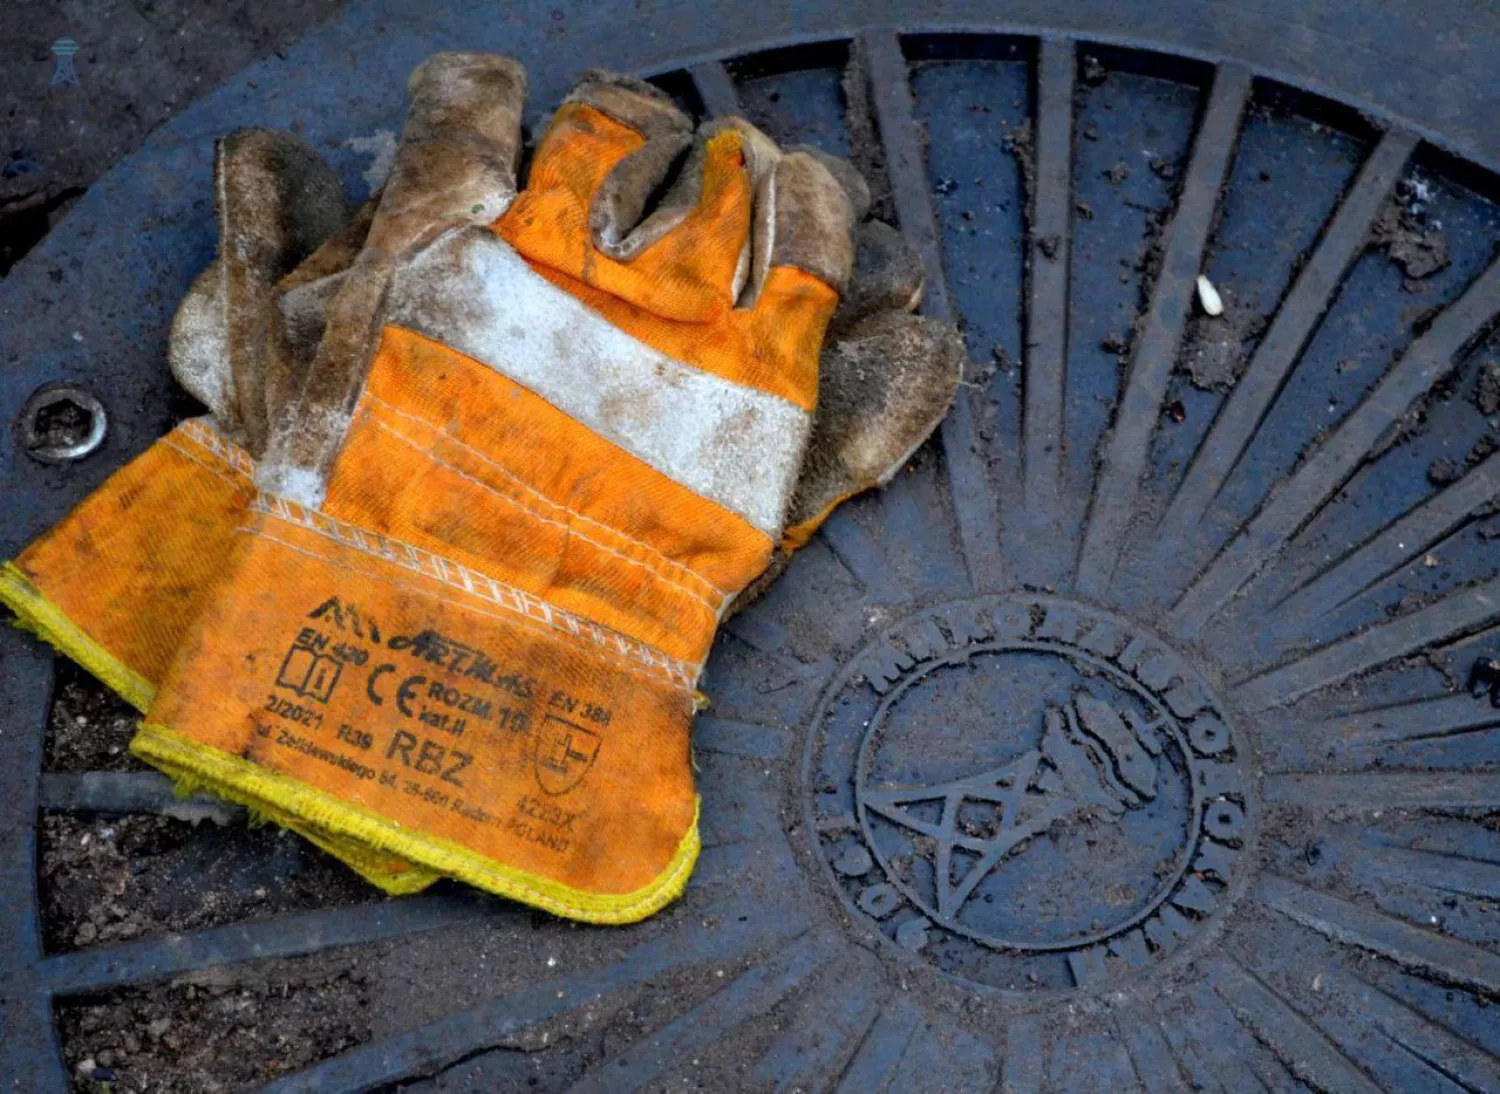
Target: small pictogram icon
[[565, 753], [309, 673], [64, 75]]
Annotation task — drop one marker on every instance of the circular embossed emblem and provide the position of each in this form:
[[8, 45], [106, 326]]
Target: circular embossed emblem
[[1028, 793]]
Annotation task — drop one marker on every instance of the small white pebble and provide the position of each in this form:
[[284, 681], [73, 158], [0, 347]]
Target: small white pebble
[[1430, 561], [1208, 296], [78, 336], [552, 962]]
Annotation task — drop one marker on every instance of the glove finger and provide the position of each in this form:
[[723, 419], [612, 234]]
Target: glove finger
[[599, 207], [606, 150], [456, 164], [302, 299], [883, 389], [276, 201], [457, 158], [888, 276], [688, 258], [804, 219], [855, 187], [197, 351]]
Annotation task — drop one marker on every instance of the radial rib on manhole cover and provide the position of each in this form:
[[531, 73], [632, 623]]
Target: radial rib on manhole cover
[[1140, 735]]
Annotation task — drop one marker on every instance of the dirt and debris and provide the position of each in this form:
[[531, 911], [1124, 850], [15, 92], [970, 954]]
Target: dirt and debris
[[1118, 173], [1412, 423], [1085, 210], [1118, 344], [90, 727], [1021, 143], [1442, 472], [1214, 363], [1049, 244], [220, 1029], [1408, 238], [1487, 396], [1163, 169], [1175, 411], [1002, 359], [865, 148], [110, 880], [1216, 349], [1348, 364], [1483, 449], [1091, 72]]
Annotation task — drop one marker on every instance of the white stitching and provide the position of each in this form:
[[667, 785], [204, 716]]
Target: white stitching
[[217, 472], [372, 397], [205, 433], [523, 622], [568, 529], [504, 596]]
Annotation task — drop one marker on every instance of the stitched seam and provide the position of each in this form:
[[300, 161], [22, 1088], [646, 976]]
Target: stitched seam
[[210, 438], [567, 528], [218, 472], [521, 621], [478, 584], [725, 593]]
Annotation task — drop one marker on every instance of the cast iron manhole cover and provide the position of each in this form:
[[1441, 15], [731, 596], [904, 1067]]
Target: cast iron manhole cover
[[1126, 741], [1029, 792]]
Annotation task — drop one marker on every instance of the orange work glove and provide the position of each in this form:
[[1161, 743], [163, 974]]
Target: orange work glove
[[531, 466], [276, 200]]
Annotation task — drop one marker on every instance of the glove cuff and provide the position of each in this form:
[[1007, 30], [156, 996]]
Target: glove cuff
[[383, 694], [114, 583]]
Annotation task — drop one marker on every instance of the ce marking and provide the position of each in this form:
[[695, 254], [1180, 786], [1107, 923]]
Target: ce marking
[[410, 689]]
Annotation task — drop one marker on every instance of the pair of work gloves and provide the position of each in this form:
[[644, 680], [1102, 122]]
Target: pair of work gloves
[[484, 472]]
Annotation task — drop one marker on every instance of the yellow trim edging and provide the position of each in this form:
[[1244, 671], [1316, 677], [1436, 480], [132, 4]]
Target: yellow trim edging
[[35, 613], [274, 794]]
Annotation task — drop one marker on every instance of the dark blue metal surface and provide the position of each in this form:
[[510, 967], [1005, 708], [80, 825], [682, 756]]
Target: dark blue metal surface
[[1124, 741]]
